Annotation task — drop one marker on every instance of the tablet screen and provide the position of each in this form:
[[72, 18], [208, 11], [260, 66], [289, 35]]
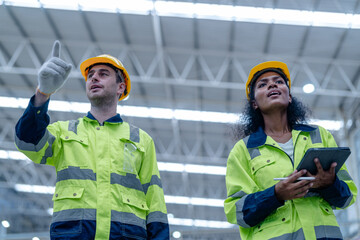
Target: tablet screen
[[326, 157]]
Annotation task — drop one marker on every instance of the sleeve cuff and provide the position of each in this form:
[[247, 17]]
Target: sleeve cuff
[[259, 205], [32, 125], [331, 191], [38, 110]]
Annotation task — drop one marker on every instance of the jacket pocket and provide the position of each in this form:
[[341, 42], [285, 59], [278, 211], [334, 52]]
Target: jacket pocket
[[279, 217], [71, 137], [68, 193], [135, 201], [261, 162], [75, 149], [132, 155], [326, 208], [135, 204]]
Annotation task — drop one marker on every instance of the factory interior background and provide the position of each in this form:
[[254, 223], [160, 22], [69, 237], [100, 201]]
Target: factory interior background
[[188, 62]]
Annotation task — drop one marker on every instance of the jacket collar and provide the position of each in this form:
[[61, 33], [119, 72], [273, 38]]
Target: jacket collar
[[114, 119], [258, 138]]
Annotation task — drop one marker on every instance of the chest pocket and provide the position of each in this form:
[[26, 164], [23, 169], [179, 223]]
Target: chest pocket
[[71, 137], [75, 150], [264, 168], [132, 155], [259, 163]]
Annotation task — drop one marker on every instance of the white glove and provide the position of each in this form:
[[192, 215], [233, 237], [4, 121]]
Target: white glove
[[54, 72]]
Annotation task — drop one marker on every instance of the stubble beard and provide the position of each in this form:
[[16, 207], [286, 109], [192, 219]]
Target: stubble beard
[[102, 101]]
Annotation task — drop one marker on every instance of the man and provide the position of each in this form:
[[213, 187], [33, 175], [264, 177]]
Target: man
[[108, 185]]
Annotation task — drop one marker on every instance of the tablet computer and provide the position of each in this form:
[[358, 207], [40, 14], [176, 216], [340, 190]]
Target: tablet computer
[[326, 157]]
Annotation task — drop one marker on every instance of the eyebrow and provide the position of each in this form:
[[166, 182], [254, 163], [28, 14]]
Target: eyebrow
[[270, 77], [100, 70]]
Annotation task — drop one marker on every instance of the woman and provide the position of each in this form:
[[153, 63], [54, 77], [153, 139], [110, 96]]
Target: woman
[[276, 139]]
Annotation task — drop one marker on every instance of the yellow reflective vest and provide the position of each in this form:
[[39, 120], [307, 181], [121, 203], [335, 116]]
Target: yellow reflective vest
[[108, 184], [251, 203]]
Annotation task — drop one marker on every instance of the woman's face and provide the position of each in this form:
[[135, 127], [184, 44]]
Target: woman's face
[[271, 93]]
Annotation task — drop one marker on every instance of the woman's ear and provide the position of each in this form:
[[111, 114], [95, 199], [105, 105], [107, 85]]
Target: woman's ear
[[254, 105], [290, 98]]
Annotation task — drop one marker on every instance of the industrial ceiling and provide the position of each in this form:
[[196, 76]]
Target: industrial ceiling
[[176, 62]]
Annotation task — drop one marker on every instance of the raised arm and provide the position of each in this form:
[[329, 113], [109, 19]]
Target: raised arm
[[31, 127]]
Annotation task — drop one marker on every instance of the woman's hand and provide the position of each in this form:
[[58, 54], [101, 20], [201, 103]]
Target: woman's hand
[[323, 178], [291, 188]]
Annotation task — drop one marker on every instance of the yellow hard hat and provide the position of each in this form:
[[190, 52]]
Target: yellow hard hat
[[105, 58], [261, 68]]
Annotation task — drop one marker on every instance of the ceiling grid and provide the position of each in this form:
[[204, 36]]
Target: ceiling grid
[[191, 63]]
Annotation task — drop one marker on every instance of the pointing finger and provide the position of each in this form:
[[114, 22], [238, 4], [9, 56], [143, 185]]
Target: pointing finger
[[56, 49]]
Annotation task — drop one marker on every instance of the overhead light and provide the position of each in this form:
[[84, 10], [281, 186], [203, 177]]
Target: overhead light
[[5, 224], [146, 112], [192, 168], [176, 234], [202, 11], [182, 200], [308, 88], [200, 223], [50, 211], [34, 188], [328, 124], [131, 111]]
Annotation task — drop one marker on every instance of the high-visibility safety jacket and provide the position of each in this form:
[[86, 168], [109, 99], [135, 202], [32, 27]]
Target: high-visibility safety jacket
[[251, 203], [108, 185]]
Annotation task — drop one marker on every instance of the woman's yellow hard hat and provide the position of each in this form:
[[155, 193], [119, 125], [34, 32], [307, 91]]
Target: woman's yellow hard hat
[[261, 68], [105, 58]]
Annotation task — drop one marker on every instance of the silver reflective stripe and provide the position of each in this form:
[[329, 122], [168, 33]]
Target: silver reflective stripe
[[155, 180], [298, 235], [127, 218], [328, 232], [312, 194], [246, 139], [315, 136], [73, 126], [156, 217], [347, 203], [129, 181], [134, 133], [239, 213], [24, 146], [74, 215], [239, 194], [75, 173], [254, 152], [48, 151], [344, 175]]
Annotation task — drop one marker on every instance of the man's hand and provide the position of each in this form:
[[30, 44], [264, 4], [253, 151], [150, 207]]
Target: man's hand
[[53, 73], [323, 178], [291, 188]]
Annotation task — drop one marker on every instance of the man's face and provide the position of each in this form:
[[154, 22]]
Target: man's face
[[101, 84]]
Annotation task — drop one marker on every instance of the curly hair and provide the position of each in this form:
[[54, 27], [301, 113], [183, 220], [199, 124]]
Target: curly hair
[[252, 119]]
